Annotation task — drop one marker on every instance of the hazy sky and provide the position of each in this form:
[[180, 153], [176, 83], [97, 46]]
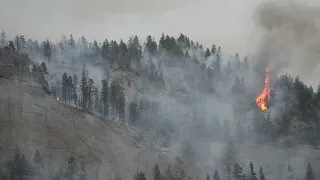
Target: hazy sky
[[224, 22]]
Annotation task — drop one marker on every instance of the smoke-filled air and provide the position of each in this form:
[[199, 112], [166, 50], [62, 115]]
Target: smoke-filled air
[[159, 105]]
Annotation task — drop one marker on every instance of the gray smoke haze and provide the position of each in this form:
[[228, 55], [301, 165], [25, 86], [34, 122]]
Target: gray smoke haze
[[289, 35], [223, 22], [291, 38]]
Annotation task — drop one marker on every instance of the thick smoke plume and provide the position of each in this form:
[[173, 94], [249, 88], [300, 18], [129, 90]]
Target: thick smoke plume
[[291, 39]]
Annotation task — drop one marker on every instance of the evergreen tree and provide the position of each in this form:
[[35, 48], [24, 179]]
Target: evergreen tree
[[3, 38], [37, 159], [75, 88], [213, 49], [208, 177], [156, 173], [228, 173], [151, 45], [261, 174], [230, 156], [83, 172], [252, 175], [11, 45], [182, 175], [140, 176], [84, 89], [17, 43], [104, 96], [309, 173], [121, 104], [290, 175], [124, 61], [186, 151], [113, 98], [72, 42], [237, 172], [44, 68], [133, 112], [207, 53], [47, 50], [64, 86], [23, 42], [90, 94], [23, 170], [216, 175], [70, 88], [71, 168]]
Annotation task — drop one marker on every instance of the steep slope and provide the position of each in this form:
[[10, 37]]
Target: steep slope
[[31, 119]]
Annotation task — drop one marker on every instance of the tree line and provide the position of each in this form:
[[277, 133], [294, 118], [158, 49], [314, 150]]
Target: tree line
[[202, 70], [20, 168]]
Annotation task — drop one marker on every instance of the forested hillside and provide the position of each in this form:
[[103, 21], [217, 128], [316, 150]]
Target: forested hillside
[[177, 91]]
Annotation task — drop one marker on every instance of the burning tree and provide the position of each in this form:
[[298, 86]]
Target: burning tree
[[264, 97]]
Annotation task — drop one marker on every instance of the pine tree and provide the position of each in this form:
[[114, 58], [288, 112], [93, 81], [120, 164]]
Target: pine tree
[[168, 174], [113, 98], [230, 156], [124, 61], [72, 42], [228, 175], [47, 51], [140, 176], [309, 173], [17, 43], [237, 172], [75, 89], [83, 172], [213, 49], [11, 45], [23, 42], [151, 45], [70, 88], [208, 177], [290, 173], [121, 104], [216, 175], [207, 53], [261, 174], [64, 86], [156, 173], [133, 112], [104, 97], [44, 68], [90, 94], [24, 170], [3, 38], [84, 89], [182, 175], [253, 175], [37, 159], [186, 151], [71, 168]]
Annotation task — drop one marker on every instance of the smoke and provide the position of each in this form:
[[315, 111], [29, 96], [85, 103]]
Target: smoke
[[291, 38]]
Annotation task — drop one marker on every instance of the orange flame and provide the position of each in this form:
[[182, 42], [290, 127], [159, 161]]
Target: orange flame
[[58, 99], [264, 97]]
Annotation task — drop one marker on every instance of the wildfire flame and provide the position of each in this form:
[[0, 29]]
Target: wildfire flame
[[264, 97], [58, 99]]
